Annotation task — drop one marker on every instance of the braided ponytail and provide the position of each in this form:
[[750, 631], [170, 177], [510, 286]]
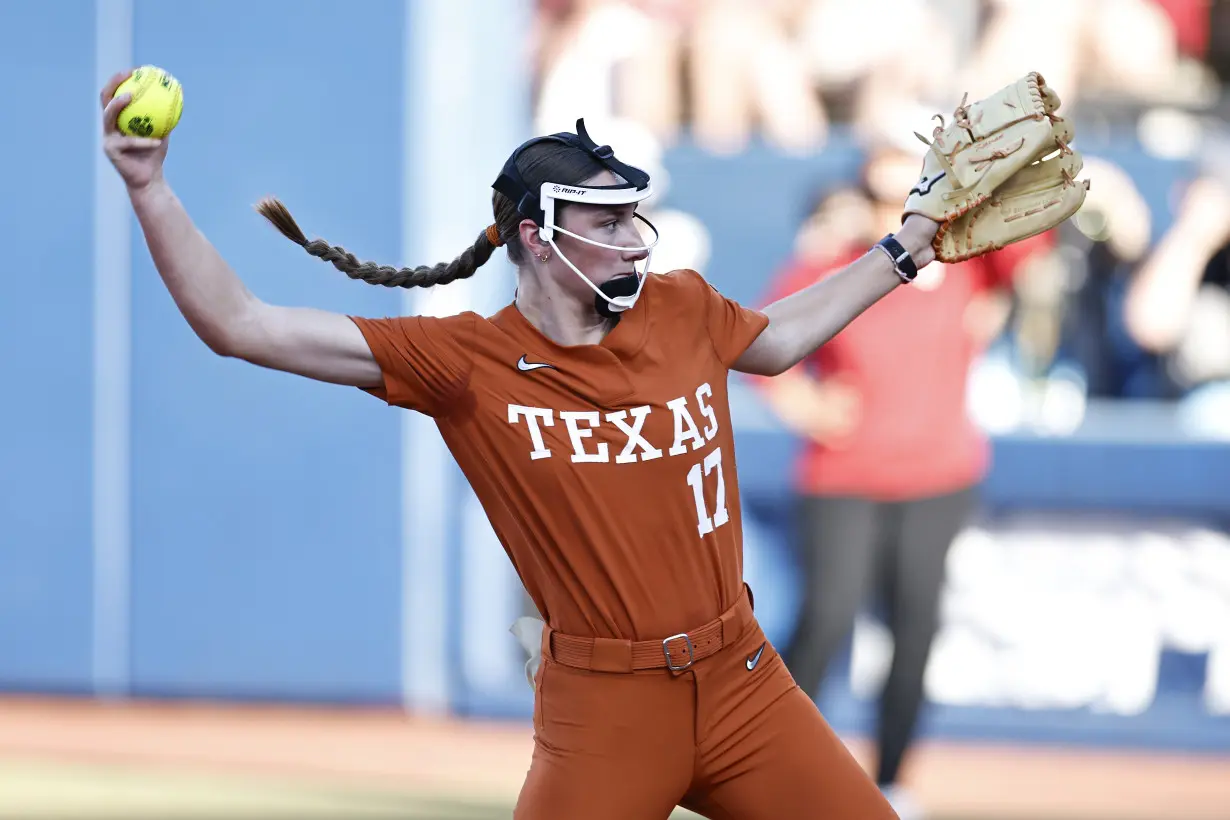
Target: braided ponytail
[[424, 276]]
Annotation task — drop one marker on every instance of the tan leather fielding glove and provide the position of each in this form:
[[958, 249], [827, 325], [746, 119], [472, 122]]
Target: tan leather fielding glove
[[984, 178]]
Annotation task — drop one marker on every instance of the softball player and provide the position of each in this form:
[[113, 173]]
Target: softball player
[[591, 418]]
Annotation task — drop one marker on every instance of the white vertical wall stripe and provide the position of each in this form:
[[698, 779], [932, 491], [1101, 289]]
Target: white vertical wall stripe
[[112, 376], [466, 106]]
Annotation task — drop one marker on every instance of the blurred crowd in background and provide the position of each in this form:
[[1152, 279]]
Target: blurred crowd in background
[[1129, 300]]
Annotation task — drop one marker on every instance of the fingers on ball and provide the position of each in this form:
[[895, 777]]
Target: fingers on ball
[[108, 92], [111, 113], [141, 143]]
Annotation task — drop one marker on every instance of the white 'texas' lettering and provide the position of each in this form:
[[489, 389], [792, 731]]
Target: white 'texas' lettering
[[639, 414], [532, 415], [707, 411], [583, 424], [685, 428], [577, 435]]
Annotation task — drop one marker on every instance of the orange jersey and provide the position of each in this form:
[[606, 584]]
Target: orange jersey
[[607, 471]]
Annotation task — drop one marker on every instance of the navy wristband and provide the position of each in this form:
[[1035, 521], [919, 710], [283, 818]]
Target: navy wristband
[[903, 263]]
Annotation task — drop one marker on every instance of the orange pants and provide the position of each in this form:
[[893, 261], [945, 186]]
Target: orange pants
[[726, 741]]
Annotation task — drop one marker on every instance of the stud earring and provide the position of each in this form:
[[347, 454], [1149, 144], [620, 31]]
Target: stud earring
[[544, 257]]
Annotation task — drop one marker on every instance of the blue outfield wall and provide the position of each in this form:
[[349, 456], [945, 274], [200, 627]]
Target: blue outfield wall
[[265, 556], [257, 493], [46, 348], [265, 510]]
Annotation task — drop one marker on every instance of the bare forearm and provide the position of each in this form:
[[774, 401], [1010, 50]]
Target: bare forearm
[[801, 322], [208, 293], [219, 308], [807, 319]]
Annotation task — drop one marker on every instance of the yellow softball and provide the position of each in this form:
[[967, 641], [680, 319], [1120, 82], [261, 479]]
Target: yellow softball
[[157, 102]]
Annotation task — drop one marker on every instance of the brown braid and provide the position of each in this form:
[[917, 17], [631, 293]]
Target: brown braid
[[424, 276]]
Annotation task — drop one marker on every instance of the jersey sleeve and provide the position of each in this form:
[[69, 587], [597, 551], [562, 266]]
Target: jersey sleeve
[[425, 361], [732, 327]]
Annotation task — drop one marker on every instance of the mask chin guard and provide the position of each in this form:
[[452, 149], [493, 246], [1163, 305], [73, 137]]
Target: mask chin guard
[[621, 288]]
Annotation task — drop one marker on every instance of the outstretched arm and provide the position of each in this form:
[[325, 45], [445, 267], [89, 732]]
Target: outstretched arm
[[230, 319], [212, 298], [803, 321]]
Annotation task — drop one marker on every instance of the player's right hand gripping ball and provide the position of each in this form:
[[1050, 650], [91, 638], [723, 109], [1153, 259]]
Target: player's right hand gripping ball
[[157, 102], [984, 178]]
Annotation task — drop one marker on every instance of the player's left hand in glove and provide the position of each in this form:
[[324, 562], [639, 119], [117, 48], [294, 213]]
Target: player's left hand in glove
[[1003, 170]]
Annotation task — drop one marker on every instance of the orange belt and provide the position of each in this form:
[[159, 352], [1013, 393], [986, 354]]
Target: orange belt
[[676, 653]]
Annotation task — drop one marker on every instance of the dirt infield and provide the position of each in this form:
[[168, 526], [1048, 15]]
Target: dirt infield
[[372, 751]]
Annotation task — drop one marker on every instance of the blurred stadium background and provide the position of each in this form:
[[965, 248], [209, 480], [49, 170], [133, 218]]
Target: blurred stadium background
[[230, 592]]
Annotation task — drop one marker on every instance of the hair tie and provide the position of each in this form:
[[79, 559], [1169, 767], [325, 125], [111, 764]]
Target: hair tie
[[493, 235]]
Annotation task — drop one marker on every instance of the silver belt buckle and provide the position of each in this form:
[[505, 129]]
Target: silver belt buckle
[[670, 664]]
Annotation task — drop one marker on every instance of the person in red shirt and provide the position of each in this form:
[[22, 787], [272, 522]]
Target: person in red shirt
[[591, 418], [890, 458]]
